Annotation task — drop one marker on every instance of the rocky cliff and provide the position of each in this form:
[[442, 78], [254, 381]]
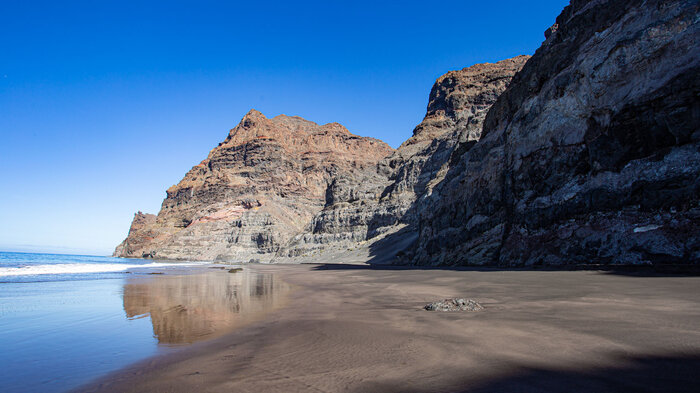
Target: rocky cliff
[[141, 234], [256, 190], [357, 215], [592, 154], [586, 153]]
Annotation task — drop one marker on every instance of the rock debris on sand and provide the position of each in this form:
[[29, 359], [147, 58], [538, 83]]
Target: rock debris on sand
[[454, 305]]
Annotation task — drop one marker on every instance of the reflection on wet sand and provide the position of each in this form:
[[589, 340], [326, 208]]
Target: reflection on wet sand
[[189, 308]]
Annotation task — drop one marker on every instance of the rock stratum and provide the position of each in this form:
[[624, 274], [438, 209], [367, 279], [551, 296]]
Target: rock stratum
[[588, 152]]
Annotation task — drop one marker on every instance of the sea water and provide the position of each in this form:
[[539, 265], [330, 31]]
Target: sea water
[[66, 320], [63, 320], [29, 267]]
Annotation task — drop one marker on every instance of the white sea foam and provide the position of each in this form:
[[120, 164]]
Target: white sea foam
[[80, 268]]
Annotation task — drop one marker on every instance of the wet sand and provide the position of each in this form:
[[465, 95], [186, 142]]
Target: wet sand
[[359, 329]]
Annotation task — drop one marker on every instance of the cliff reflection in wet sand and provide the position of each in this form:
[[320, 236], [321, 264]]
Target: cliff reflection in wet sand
[[189, 308]]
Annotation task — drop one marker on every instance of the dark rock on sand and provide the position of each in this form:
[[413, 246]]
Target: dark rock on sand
[[454, 305]]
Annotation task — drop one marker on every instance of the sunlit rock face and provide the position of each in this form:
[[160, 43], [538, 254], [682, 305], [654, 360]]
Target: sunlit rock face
[[591, 155], [256, 190], [189, 308], [141, 235]]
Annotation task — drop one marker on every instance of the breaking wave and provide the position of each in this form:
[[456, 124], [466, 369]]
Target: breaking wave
[[81, 268]]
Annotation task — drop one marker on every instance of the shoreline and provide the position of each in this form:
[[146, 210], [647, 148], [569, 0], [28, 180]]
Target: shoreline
[[360, 328]]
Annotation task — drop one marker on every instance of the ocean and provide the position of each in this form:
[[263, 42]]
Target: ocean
[[31, 267], [64, 320]]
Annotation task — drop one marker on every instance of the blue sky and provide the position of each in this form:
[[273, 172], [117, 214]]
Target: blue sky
[[104, 105]]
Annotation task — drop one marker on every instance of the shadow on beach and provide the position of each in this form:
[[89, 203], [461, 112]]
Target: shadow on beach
[[624, 270], [383, 255], [636, 374]]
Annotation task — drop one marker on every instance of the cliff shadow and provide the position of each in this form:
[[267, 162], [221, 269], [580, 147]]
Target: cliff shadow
[[385, 251], [622, 270], [634, 374], [396, 244]]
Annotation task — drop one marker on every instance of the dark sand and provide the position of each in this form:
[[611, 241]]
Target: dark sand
[[358, 329]]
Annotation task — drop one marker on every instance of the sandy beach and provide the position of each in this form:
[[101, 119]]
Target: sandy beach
[[360, 329]]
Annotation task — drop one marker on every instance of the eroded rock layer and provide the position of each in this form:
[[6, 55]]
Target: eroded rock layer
[[592, 154], [258, 188]]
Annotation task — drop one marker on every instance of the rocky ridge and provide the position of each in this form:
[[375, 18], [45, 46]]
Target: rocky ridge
[[255, 190]]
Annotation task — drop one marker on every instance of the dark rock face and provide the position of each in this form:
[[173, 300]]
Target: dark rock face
[[592, 154], [255, 191], [458, 104]]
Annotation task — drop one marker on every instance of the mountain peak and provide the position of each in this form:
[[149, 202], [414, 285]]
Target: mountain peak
[[254, 113], [255, 191]]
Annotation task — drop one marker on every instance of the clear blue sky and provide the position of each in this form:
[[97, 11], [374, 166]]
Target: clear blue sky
[[104, 105]]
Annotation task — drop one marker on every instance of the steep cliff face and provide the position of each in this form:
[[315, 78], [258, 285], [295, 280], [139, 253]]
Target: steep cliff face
[[141, 234], [258, 188], [458, 104], [592, 154], [358, 213]]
